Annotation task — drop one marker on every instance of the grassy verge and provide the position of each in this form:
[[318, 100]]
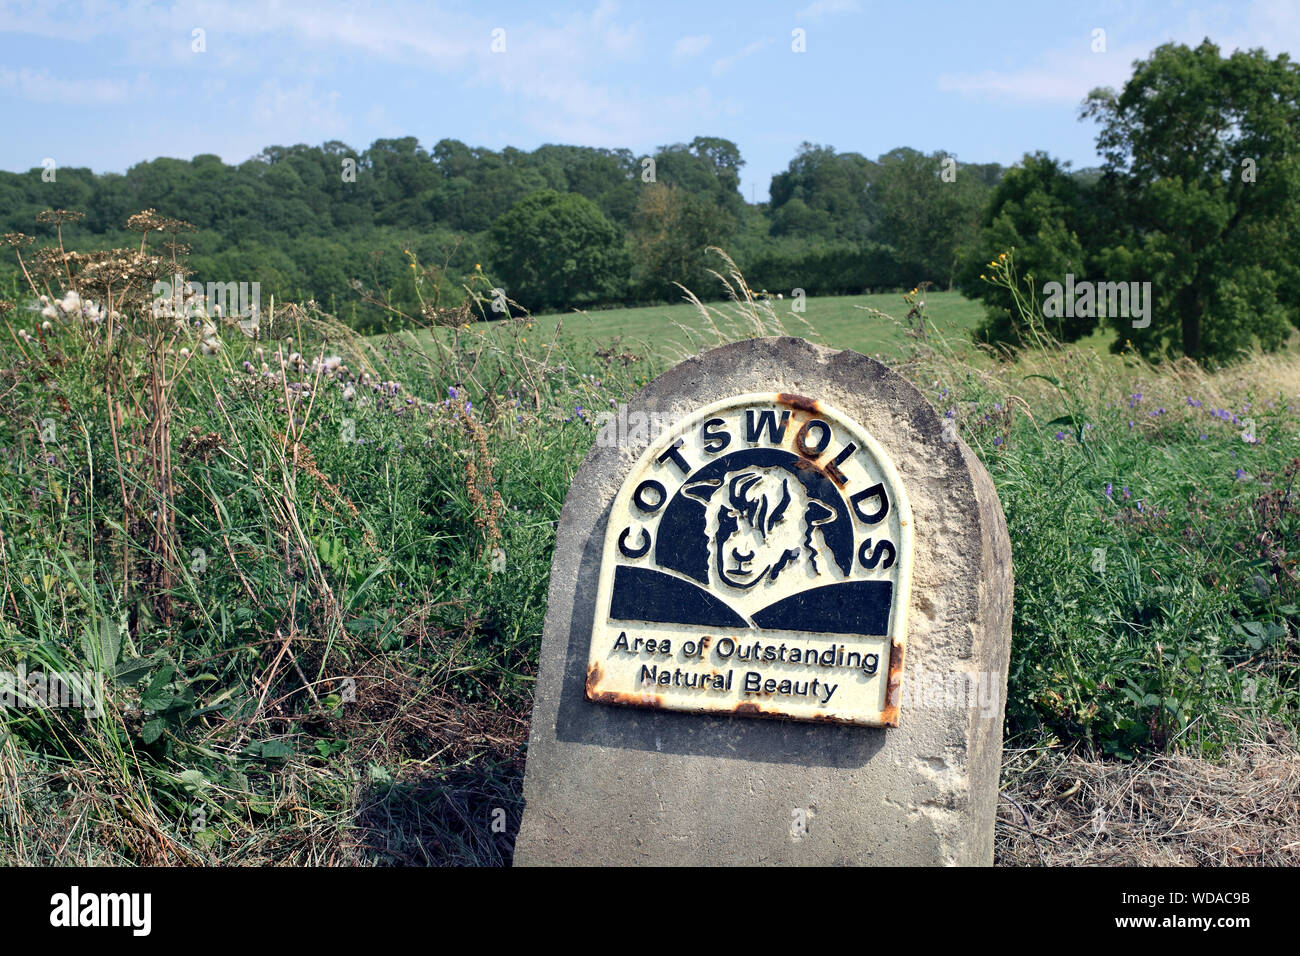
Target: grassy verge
[[305, 572]]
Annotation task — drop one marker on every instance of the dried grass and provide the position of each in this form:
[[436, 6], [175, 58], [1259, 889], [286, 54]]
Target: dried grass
[[1061, 807]]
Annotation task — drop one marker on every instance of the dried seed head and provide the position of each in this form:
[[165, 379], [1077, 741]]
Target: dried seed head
[[59, 216]]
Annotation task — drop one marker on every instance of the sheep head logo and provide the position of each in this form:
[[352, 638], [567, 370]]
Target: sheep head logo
[[760, 521]]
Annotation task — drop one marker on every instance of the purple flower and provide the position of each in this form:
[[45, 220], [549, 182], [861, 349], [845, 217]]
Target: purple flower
[[1126, 493], [1110, 490], [1241, 474], [1060, 436], [451, 392], [997, 440], [1204, 437]]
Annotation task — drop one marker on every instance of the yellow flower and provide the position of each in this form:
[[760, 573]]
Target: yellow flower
[[477, 267]]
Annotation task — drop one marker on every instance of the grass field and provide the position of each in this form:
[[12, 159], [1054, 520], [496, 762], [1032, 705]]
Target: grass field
[[871, 324], [842, 322], [310, 570]]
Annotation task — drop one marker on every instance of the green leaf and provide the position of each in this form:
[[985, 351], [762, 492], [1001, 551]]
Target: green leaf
[[101, 650], [191, 779], [271, 749], [157, 697], [152, 730], [130, 671]]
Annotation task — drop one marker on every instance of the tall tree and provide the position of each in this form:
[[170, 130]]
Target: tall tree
[[929, 208], [824, 193], [671, 230], [556, 250], [1203, 155], [1040, 210]]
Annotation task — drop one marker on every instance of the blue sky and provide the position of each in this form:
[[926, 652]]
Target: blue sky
[[108, 84]]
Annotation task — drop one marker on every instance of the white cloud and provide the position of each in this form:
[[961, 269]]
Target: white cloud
[[287, 68], [40, 87], [1067, 73], [1062, 77], [297, 112], [691, 45], [723, 64], [820, 8]]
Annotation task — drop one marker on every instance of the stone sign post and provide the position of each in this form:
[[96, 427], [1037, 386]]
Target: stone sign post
[[778, 627]]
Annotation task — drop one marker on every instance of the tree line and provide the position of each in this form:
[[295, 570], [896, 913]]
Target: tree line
[[558, 227], [1197, 199]]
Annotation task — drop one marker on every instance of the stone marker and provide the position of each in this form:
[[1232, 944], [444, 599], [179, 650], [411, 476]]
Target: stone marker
[[778, 627]]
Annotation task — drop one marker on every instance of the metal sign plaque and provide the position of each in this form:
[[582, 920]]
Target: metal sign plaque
[[757, 561]]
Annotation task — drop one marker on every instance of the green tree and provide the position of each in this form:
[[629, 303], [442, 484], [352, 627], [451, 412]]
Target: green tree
[[555, 250], [1040, 210], [824, 193], [928, 209], [1202, 155], [671, 229]]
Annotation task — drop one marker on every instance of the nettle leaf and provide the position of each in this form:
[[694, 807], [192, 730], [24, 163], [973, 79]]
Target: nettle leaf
[[157, 696], [101, 649], [1258, 632], [152, 730], [130, 671], [192, 779]]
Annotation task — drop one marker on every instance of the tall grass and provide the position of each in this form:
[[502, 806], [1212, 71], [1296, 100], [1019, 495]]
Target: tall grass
[[314, 600]]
